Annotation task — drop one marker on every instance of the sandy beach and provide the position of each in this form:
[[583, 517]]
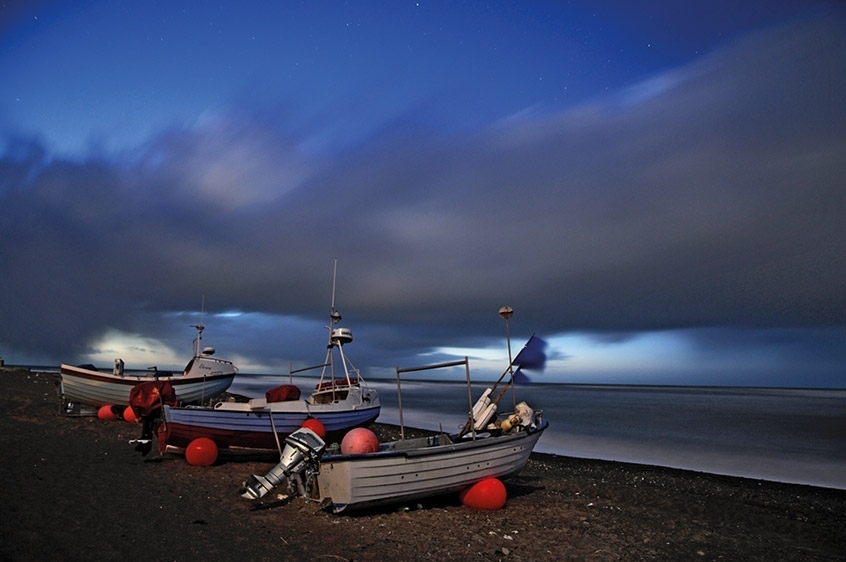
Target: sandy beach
[[74, 489]]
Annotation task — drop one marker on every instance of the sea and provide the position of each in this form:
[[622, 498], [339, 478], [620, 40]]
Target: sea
[[776, 434]]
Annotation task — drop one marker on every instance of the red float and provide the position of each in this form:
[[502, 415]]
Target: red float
[[316, 426], [106, 413], [359, 441], [202, 451], [129, 415], [485, 494]]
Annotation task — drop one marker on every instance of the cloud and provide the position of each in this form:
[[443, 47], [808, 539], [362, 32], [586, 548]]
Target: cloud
[[223, 164], [715, 200]]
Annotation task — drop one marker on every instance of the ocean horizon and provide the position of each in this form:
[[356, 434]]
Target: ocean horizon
[[790, 435]]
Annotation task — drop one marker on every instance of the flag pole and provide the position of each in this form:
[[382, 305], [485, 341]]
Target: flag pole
[[505, 313]]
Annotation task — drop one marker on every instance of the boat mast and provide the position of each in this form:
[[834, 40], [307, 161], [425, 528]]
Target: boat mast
[[334, 318], [337, 339], [506, 312], [334, 279], [337, 336], [198, 346]]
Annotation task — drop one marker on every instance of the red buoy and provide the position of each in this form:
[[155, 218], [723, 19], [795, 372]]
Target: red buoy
[[106, 413], [129, 415], [202, 451], [316, 426], [359, 441], [485, 494]]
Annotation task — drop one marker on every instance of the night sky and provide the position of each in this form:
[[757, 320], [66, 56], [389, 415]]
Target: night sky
[[658, 189]]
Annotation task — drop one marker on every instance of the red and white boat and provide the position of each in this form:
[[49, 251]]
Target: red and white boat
[[204, 377], [340, 401]]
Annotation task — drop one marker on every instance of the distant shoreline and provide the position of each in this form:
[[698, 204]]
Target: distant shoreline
[[536, 381]]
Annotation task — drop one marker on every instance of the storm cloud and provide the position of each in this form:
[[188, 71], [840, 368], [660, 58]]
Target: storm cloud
[[710, 196]]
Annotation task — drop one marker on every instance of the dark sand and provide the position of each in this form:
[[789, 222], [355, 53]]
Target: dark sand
[[74, 489]]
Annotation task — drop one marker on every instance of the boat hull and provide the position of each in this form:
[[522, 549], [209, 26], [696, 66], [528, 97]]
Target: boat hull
[[248, 425], [253, 430], [418, 470], [95, 388]]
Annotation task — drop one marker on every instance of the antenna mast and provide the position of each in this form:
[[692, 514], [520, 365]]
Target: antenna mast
[[334, 278], [200, 327], [335, 316]]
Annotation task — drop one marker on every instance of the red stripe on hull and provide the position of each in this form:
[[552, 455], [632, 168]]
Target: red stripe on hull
[[180, 435], [132, 380]]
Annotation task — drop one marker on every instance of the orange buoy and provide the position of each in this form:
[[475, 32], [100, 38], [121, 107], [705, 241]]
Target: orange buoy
[[129, 415], [485, 494], [106, 413], [316, 426], [202, 451], [359, 441]]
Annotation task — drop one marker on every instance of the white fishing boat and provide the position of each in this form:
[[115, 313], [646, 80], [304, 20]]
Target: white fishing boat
[[412, 469], [204, 377], [489, 445], [340, 401]]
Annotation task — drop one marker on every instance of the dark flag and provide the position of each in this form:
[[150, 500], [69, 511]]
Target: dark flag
[[520, 378], [532, 356]]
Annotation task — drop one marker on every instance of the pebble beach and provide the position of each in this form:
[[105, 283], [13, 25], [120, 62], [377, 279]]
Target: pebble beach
[[75, 489]]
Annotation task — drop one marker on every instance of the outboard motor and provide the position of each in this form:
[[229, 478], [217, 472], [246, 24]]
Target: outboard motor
[[302, 448]]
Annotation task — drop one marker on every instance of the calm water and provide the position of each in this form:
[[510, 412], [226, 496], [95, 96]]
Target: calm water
[[784, 435]]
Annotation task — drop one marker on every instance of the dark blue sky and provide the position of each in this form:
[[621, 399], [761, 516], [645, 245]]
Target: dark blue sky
[[655, 187]]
